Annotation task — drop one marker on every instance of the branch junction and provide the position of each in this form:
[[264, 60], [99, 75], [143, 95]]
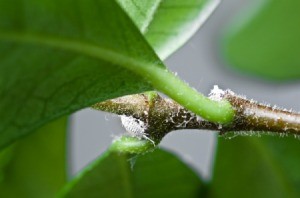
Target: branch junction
[[150, 116]]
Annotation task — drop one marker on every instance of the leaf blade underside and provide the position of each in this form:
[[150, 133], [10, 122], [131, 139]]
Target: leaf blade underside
[[64, 56], [148, 175], [48, 78]]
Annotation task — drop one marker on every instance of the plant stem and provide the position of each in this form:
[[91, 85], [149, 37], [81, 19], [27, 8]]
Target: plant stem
[[215, 111], [253, 116], [163, 115]]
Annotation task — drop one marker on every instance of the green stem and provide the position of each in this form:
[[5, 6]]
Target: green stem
[[126, 144], [166, 82]]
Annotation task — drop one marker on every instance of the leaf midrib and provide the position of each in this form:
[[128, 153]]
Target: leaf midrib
[[82, 47], [126, 176]]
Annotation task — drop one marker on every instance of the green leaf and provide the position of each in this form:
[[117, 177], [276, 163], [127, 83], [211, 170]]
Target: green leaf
[[47, 66], [60, 56], [257, 167], [168, 24], [35, 166], [5, 157], [155, 174], [266, 41]]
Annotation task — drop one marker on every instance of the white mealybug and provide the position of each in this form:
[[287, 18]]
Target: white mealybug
[[135, 127], [216, 93]]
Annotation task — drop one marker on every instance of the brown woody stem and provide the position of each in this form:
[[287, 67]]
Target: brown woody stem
[[161, 115], [253, 116]]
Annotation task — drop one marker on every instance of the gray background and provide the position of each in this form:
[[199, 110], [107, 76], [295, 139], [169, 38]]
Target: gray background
[[200, 64]]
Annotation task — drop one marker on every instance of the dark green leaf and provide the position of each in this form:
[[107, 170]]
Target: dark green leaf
[[35, 166], [155, 174], [59, 56], [5, 157], [168, 24], [257, 167], [266, 41]]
